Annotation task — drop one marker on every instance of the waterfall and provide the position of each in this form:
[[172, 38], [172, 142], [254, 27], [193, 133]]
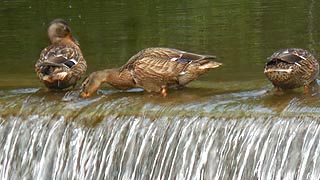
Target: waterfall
[[174, 143]]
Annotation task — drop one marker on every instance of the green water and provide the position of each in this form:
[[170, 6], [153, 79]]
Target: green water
[[242, 34]]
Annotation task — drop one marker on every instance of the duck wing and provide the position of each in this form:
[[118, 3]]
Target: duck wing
[[292, 55], [168, 53], [160, 66], [165, 54], [59, 56]]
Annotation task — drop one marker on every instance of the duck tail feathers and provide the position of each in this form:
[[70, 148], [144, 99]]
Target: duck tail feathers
[[206, 64]]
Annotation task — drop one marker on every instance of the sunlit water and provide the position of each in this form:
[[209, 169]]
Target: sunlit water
[[226, 125]]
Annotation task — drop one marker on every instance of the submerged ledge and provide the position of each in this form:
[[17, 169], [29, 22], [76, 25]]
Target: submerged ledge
[[188, 103]]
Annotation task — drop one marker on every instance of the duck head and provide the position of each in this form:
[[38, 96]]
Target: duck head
[[90, 85], [58, 29]]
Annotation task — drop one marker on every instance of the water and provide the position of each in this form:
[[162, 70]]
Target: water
[[139, 148], [226, 125]]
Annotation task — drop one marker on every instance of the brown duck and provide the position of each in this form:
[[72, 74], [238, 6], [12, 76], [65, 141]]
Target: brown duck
[[292, 68], [154, 70], [61, 64]]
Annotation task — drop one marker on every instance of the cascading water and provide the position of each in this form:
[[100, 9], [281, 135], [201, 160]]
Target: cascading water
[[223, 126], [128, 136]]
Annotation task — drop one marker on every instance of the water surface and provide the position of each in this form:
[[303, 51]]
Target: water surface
[[226, 125]]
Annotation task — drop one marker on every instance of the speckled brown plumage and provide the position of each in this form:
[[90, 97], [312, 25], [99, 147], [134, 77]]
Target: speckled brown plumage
[[153, 69], [61, 64], [292, 68]]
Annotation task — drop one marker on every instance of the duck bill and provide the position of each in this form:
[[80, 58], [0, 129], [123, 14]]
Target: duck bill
[[47, 79], [84, 95]]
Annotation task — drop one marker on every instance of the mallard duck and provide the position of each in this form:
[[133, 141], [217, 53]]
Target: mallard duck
[[61, 64], [292, 68], [154, 70]]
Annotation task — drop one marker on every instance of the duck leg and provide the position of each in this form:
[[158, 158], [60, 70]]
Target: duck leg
[[311, 88], [163, 91], [307, 89], [278, 91]]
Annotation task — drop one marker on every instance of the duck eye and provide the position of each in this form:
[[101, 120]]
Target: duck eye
[[83, 85]]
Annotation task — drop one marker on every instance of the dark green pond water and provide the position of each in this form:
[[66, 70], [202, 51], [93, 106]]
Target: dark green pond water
[[241, 34], [226, 125]]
